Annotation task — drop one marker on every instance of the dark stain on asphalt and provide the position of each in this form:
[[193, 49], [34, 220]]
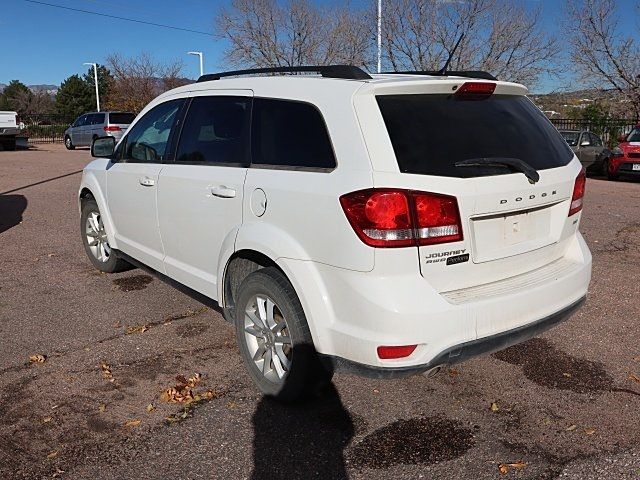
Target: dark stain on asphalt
[[627, 238], [101, 426], [191, 330], [545, 365], [137, 282], [412, 442]]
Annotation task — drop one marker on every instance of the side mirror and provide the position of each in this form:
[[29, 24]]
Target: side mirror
[[586, 143], [622, 138], [103, 147]]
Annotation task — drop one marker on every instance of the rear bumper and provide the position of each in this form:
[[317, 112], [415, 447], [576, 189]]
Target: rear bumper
[[462, 352], [9, 132], [351, 313], [626, 168]]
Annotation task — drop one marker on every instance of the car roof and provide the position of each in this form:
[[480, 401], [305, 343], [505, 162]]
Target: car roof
[[312, 86]]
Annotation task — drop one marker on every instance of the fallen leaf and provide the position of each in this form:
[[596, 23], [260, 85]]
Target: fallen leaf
[[634, 378], [589, 431], [132, 423], [102, 408], [231, 404], [454, 371], [106, 371], [51, 255], [58, 473], [136, 329], [494, 407], [546, 421], [47, 419], [571, 428], [150, 408], [37, 358], [53, 454], [117, 325], [375, 390], [568, 375], [505, 467]]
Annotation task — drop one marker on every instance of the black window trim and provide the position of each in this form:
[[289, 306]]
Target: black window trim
[[266, 166], [178, 135]]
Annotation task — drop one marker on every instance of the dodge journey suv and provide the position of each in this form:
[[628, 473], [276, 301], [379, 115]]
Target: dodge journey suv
[[387, 224]]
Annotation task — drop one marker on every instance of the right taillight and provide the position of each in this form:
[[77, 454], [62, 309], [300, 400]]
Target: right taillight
[[401, 218], [577, 199]]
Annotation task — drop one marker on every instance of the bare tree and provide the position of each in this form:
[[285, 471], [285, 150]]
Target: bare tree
[[32, 102], [601, 53], [138, 80], [267, 33], [500, 36]]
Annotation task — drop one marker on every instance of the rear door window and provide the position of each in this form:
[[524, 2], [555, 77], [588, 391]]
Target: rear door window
[[289, 134], [97, 119], [121, 118], [430, 133], [216, 131]]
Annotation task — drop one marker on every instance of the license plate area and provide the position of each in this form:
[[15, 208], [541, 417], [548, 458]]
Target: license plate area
[[505, 235], [636, 167]]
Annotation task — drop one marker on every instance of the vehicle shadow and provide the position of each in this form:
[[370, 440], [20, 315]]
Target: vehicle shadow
[[301, 440], [11, 209]]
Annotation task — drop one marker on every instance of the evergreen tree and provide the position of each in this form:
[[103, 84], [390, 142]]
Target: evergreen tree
[[15, 95], [105, 82], [75, 97]]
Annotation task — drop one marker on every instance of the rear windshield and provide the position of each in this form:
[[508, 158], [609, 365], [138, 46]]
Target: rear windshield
[[121, 118], [430, 133]]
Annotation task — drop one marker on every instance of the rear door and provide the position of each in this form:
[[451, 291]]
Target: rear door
[[95, 130], [200, 193], [132, 184], [510, 225]]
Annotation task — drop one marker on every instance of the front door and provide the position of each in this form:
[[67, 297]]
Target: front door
[[132, 184], [200, 193]]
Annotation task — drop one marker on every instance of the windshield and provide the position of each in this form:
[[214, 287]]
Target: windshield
[[571, 138], [430, 133], [634, 136]]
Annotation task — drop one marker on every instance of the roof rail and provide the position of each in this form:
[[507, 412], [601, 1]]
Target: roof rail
[[349, 72], [451, 73]]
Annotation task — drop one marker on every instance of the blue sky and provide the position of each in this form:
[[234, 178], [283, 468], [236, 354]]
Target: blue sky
[[44, 45]]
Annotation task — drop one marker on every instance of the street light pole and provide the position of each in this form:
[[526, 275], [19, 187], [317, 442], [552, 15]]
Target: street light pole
[[379, 36], [201, 61], [95, 78]]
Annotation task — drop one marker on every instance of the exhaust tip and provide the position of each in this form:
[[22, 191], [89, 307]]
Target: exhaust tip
[[433, 371]]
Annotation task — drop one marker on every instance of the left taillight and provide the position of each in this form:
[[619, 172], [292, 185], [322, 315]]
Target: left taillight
[[384, 217], [577, 199]]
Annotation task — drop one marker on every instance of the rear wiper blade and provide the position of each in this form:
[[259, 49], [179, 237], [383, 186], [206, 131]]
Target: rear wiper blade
[[514, 163]]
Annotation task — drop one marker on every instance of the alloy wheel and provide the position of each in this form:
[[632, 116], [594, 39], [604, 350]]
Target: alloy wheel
[[97, 237], [267, 338]]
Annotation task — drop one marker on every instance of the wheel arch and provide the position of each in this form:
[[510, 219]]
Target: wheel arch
[[90, 189]]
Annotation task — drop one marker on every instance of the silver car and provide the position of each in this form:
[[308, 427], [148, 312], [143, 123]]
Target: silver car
[[90, 126]]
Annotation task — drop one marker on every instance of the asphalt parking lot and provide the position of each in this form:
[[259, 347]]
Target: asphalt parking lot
[[565, 405]]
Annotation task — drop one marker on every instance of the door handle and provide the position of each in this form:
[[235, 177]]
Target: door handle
[[146, 181], [223, 192]]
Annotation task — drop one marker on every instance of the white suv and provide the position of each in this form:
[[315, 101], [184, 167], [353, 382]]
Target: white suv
[[388, 224]]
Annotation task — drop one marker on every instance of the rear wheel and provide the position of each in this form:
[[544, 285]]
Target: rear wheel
[[68, 143], [274, 338], [8, 143], [95, 241]]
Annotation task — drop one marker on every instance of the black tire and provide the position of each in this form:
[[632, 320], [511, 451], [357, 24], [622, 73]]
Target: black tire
[[113, 263], [68, 143], [306, 375], [9, 144], [607, 172]]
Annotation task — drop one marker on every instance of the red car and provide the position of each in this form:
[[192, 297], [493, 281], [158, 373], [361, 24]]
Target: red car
[[625, 158]]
